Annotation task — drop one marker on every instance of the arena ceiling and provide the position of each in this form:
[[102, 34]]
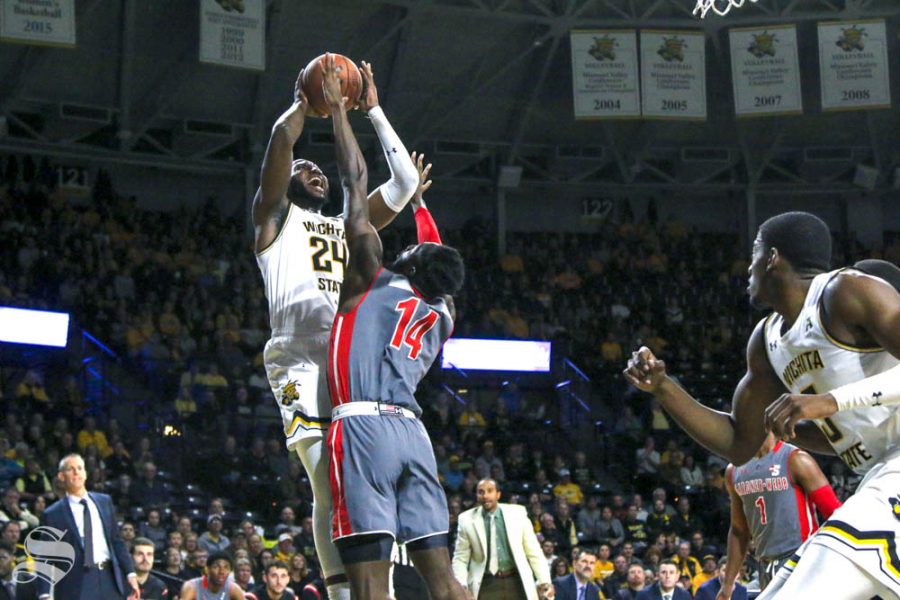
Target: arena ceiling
[[478, 83]]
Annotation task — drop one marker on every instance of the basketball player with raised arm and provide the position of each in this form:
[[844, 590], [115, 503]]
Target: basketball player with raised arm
[[391, 323], [832, 342], [773, 502], [302, 257]]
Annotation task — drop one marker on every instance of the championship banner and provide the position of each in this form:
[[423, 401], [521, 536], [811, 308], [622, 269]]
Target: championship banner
[[605, 74], [233, 32], [765, 71], [38, 22], [853, 63], [673, 74]]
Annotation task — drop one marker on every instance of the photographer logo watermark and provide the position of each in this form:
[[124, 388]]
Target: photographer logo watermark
[[49, 558]]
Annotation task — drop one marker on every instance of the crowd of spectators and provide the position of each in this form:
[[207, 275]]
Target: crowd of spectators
[[179, 298]]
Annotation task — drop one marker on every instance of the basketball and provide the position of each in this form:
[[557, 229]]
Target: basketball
[[351, 82]]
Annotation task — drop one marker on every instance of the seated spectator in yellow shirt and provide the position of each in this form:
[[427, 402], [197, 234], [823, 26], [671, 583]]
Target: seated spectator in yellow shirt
[[567, 489], [687, 565], [567, 280], [169, 323], [285, 548], [31, 388], [516, 326], [656, 342], [512, 262], [210, 377], [470, 417], [710, 570], [185, 405], [611, 349], [603, 568], [91, 436]]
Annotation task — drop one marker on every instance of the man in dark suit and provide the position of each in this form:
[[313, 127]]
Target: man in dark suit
[[710, 589], [7, 562], [635, 583], [10, 587], [665, 589], [102, 566], [578, 585]]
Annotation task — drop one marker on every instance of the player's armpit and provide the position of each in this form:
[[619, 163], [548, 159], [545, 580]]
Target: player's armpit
[[863, 312], [881, 317], [266, 229]]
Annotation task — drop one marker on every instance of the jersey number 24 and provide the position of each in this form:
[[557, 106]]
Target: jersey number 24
[[320, 258]]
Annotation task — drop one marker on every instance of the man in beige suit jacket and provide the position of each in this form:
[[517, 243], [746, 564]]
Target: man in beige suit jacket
[[510, 567]]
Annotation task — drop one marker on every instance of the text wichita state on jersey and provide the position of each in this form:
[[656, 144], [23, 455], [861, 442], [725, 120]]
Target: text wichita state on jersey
[[806, 362], [328, 253]]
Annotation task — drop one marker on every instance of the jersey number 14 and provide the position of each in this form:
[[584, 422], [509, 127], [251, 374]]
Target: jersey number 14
[[411, 335]]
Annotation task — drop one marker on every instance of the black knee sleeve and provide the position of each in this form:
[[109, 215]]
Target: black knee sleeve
[[365, 547], [432, 541]]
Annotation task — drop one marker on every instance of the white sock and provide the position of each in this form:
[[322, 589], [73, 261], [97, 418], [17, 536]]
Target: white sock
[[338, 591]]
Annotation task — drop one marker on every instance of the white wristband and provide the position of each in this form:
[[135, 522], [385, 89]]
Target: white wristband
[[404, 180], [878, 390]]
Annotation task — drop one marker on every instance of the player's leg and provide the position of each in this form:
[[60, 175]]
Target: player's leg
[[296, 369], [311, 451], [825, 573], [422, 512], [771, 583], [774, 573], [363, 473], [367, 560], [432, 560], [302, 398]]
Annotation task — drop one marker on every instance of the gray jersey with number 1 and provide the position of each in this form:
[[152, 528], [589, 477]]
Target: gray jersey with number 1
[[780, 513]]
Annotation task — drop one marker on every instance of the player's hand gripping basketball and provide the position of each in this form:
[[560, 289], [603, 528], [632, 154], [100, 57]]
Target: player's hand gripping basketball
[[300, 100], [645, 371], [424, 182], [331, 84], [783, 415], [369, 98]]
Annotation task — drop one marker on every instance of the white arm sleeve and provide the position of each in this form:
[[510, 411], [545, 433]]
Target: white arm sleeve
[[878, 390], [404, 176]]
